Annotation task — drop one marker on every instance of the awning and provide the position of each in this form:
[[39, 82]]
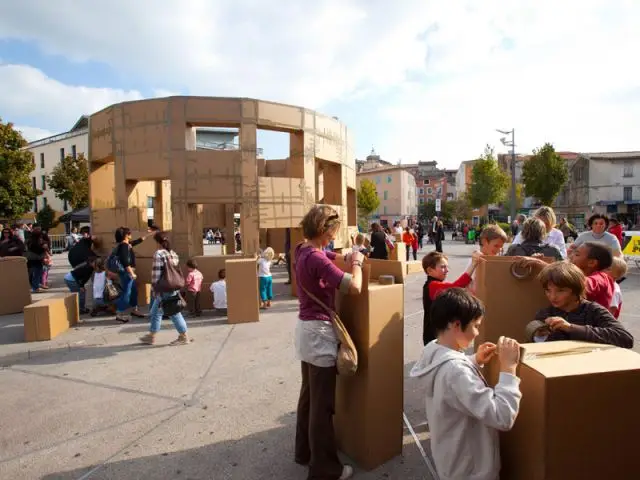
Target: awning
[[81, 215]]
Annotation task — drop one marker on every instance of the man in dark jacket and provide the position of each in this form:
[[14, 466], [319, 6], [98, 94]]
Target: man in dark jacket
[[78, 277], [83, 249]]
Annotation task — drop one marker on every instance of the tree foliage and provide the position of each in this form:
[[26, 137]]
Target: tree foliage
[[368, 200], [46, 218], [489, 182], [452, 210], [544, 174], [16, 188], [461, 209], [70, 180], [506, 204]]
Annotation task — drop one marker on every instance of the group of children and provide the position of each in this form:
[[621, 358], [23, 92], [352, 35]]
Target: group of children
[[463, 411]]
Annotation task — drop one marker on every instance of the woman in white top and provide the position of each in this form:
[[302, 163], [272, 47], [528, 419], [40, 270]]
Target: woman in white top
[[554, 236]]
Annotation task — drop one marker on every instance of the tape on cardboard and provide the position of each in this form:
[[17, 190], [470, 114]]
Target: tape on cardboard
[[569, 351]]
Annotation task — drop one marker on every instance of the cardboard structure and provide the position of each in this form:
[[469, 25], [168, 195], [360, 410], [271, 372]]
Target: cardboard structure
[[147, 148], [368, 419], [242, 290], [48, 318], [15, 290], [414, 267], [577, 416]]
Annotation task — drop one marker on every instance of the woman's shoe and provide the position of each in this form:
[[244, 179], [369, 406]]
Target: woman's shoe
[[183, 339], [148, 339], [122, 318]]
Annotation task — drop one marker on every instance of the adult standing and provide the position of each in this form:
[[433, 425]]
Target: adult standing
[[82, 249], [317, 344], [36, 251], [378, 243], [127, 275], [554, 236], [161, 258], [10, 244], [438, 235], [598, 224], [420, 233], [566, 230], [407, 239]]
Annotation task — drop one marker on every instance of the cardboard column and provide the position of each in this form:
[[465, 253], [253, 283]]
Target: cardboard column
[[249, 223], [230, 240], [242, 291], [368, 419]]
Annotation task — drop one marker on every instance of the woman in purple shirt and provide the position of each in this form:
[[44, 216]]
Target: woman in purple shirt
[[316, 342]]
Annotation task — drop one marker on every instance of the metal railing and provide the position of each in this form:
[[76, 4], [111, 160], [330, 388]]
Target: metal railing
[[58, 243]]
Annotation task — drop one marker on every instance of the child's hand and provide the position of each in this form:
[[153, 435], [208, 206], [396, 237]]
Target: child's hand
[[485, 352], [558, 323], [476, 258], [509, 354]]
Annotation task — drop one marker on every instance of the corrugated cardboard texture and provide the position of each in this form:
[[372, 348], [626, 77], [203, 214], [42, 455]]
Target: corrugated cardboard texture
[[369, 405], [577, 416], [144, 293], [72, 305], [414, 267], [154, 140], [15, 291], [510, 303], [399, 253], [242, 291], [143, 269], [387, 267], [48, 318]]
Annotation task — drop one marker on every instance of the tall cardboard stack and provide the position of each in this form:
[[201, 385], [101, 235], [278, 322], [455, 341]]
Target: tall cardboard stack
[[578, 416], [368, 418], [15, 290]]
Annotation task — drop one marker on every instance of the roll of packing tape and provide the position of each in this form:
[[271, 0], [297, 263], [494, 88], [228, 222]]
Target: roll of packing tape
[[532, 327], [386, 279], [521, 273]]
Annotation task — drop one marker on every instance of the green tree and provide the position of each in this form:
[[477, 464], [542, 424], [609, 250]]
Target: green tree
[[427, 210], [368, 202], [506, 204], [16, 164], [544, 174], [461, 209], [70, 180], [489, 182], [46, 218]]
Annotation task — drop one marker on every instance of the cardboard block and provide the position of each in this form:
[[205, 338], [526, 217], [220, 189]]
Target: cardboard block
[[206, 297], [399, 253], [279, 117], [147, 248], [414, 267], [15, 290], [101, 131], [387, 267], [144, 293], [216, 112], [48, 318], [242, 291], [571, 397], [147, 166], [143, 269], [369, 405]]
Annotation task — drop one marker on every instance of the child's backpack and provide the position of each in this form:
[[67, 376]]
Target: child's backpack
[[113, 262]]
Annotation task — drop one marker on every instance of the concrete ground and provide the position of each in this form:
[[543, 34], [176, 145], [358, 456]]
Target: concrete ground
[[93, 403]]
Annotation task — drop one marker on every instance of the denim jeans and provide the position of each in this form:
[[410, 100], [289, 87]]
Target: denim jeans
[[75, 288], [129, 296], [35, 277], [155, 314]]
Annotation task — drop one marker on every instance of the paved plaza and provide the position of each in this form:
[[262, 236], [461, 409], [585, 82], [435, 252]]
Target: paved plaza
[[94, 404]]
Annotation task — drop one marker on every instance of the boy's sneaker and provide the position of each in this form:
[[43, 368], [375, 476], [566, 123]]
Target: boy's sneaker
[[148, 339], [347, 472], [182, 339]]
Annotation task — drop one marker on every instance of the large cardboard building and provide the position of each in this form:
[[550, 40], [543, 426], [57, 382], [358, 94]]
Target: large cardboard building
[[147, 148]]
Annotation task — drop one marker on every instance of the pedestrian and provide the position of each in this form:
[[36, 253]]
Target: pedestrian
[[193, 285], [265, 279]]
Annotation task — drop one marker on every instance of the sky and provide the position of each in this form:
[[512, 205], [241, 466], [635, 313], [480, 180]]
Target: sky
[[416, 80]]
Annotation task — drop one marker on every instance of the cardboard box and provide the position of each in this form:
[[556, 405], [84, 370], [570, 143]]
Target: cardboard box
[[147, 248], [48, 318], [211, 265], [144, 293], [399, 253], [510, 303], [414, 267], [578, 418], [143, 269], [369, 405], [15, 290], [242, 291]]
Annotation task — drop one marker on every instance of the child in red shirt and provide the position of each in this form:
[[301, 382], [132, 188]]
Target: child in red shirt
[[593, 259], [436, 266]]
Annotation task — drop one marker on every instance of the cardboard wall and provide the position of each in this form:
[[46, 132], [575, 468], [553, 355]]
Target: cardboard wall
[[242, 291], [15, 290], [48, 318]]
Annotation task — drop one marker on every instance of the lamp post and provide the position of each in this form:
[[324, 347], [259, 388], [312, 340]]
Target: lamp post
[[511, 143]]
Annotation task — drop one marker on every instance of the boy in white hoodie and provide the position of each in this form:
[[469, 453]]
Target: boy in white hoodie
[[463, 412]]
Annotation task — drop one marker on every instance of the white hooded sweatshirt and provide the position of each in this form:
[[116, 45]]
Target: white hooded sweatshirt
[[464, 413]]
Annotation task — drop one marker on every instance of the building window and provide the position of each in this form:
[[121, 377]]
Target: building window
[[421, 191], [388, 178], [73, 151], [429, 191], [33, 181], [377, 180], [65, 206], [44, 182], [384, 209], [42, 160], [62, 153], [628, 168], [385, 194], [421, 201], [449, 196], [33, 159], [627, 194], [45, 202], [426, 182], [35, 205]]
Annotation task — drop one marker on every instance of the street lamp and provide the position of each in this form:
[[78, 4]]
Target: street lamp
[[511, 143]]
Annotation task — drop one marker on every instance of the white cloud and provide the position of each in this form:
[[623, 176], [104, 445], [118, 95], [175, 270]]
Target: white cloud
[[557, 71], [33, 133]]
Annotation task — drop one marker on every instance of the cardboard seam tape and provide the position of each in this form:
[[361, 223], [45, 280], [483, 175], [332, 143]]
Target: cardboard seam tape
[[568, 351]]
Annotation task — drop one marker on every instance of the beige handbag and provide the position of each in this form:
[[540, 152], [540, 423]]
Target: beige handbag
[[347, 360]]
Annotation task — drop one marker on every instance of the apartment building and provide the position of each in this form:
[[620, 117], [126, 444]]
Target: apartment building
[[396, 189], [432, 182], [463, 183]]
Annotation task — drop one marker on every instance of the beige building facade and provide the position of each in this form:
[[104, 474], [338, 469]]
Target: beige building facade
[[396, 189]]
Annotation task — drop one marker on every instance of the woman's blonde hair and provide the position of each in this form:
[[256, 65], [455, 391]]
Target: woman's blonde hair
[[564, 275], [319, 220], [618, 268], [268, 253], [548, 216]]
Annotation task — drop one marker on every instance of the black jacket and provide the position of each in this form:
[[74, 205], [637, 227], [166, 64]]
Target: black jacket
[[81, 252], [82, 273]]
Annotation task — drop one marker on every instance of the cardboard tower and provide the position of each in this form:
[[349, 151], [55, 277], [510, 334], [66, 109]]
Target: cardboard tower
[[147, 149]]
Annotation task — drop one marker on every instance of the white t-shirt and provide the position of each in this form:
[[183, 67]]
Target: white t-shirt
[[555, 238], [264, 267], [606, 238], [616, 300], [99, 281], [219, 290]]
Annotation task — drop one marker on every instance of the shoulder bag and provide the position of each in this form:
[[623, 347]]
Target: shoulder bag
[[347, 360], [171, 278]]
